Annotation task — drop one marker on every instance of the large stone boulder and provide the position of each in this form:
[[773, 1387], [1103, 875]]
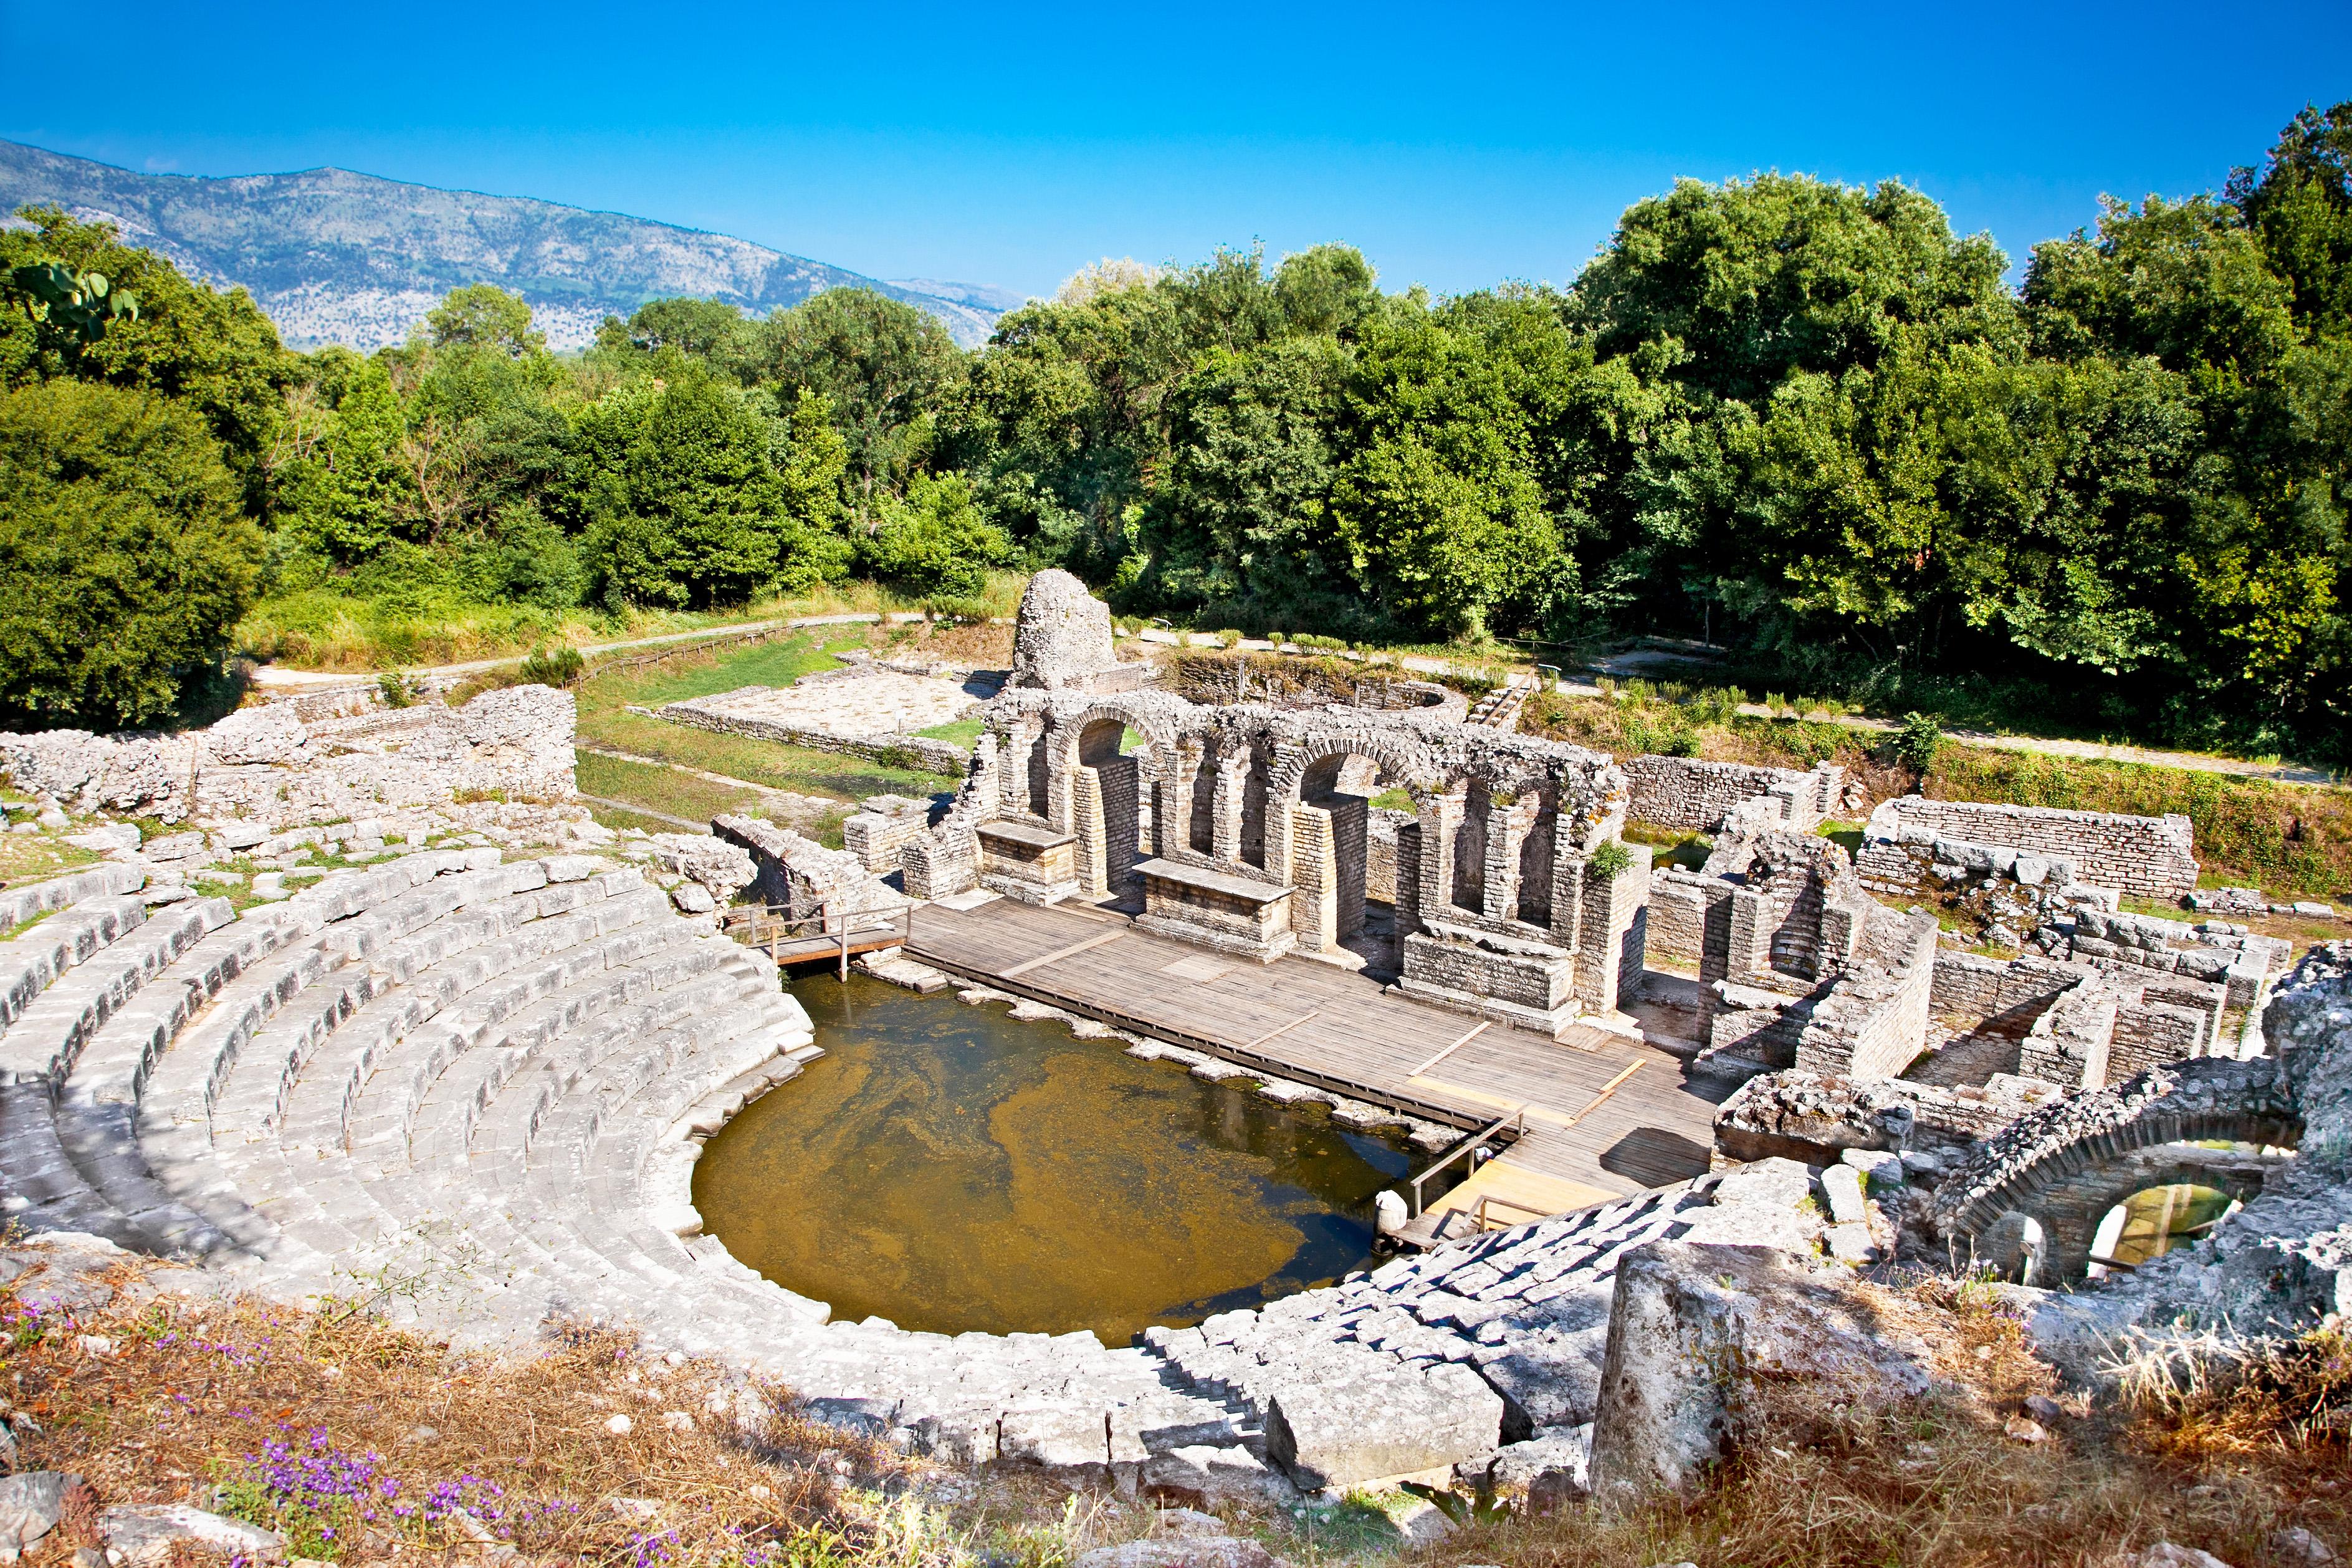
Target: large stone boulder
[[1693, 1330], [1061, 639]]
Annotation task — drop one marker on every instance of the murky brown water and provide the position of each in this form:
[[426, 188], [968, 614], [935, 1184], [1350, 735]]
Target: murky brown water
[[950, 1169]]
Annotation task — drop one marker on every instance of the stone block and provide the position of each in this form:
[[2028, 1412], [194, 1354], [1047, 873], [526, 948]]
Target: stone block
[[1842, 1189], [1356, 1424], [1209, 1474]]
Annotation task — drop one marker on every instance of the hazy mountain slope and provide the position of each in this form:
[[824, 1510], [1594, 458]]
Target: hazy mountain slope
[[342, 257]]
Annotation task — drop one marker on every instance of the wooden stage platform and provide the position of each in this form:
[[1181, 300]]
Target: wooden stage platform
[[1318, 1023]]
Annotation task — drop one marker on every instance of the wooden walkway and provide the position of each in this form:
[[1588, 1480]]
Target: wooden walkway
[[1594, 1131]]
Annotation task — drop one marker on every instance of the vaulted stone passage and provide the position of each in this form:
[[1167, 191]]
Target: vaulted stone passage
[[2064, 1165]]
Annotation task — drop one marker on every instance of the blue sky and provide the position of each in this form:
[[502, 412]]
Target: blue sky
[[1457, 146]]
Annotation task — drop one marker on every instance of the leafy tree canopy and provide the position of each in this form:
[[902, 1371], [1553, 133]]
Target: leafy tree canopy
[[125, 560]]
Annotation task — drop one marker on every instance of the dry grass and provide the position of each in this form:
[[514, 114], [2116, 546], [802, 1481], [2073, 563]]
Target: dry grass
[[300, 1419], [353, 1437]]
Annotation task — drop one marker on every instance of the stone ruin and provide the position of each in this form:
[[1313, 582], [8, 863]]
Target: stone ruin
[[1689, 795], [266, 764], [1247, 829], [2145, 856], [1062, 640], [1799, 965]]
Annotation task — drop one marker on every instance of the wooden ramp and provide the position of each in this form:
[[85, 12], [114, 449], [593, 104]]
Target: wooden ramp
[[1604, 1115]]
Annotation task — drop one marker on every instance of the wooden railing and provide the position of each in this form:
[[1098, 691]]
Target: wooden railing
[[1516, 1118], [785, 936]]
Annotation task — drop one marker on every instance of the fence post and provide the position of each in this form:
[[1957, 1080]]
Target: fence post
[[845, 946]]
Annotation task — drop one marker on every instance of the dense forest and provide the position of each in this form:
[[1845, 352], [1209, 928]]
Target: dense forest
[[1805, 419]]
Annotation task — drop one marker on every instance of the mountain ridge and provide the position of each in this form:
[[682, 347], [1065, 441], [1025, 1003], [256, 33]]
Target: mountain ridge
[[334, 256]]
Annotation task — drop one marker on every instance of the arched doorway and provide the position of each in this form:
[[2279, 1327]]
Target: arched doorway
[[1112, 786], [1345, 860]]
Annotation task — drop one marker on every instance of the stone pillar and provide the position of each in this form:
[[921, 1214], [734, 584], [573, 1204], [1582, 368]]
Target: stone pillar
[[1061, 765], [1441, 823], [1506, 833], [1315, 907], [985, 783], [1611, 934], [1177, 795], [1753, 921], [1027, 791], [1566, 889], [1351, 825], [1408, 879], [1092, 850], [1232, 787]]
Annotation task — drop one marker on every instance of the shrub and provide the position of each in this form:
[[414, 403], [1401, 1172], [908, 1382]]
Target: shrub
[[560, 667], [124, 559], [1916, 742], [1612, 859], [935, 542]]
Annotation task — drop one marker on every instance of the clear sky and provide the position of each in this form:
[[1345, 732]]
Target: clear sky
[[1455, 146]]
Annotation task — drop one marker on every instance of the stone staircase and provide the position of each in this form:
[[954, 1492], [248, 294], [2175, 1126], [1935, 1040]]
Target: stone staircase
[[475, 1091], [1499, 709]]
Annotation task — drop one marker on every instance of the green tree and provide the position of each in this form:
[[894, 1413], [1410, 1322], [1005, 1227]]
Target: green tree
[[884, 368], [483, 315], [934, 542], [125, 561], [684, 500], [347, 490], [2299, 207], [212, 349], [1438, 507]]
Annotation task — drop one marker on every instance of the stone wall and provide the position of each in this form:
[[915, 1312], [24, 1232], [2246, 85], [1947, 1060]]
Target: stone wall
[[1688, 794], [1380, 868], [1690, 920], [2215, 952], [2149, 857], [1872, 1023], [899, 751], [800, 876], [267, 764], [1815, 1116]]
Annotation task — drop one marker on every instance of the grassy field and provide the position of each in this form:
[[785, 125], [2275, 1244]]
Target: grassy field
[[323, 629], [604, 701]]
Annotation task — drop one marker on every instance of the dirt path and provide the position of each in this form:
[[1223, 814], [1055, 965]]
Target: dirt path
[[274, 675]]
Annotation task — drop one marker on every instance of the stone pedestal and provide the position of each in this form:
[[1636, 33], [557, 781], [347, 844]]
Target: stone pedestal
[[1215, 908], [1526, 983], [1025, 861]]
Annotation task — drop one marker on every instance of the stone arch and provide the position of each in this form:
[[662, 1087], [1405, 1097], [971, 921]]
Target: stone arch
[[1114, 793], [2071, 1209], [2050, 1159], [1398, 762]]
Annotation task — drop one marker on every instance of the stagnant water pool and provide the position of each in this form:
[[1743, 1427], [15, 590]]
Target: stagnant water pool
[[948, 1169]]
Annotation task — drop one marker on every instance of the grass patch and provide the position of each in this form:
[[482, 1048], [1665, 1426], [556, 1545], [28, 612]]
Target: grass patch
[[958, 731], [605, 719], [662, 789], [36, 857]]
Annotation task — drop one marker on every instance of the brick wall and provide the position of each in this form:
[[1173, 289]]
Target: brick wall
[[2151, 856], [1872, 1023], [1690, 921]]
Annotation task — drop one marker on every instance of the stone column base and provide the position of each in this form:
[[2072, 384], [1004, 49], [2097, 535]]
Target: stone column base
[[1028, 892], [1523, 984], [1263, 951]]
